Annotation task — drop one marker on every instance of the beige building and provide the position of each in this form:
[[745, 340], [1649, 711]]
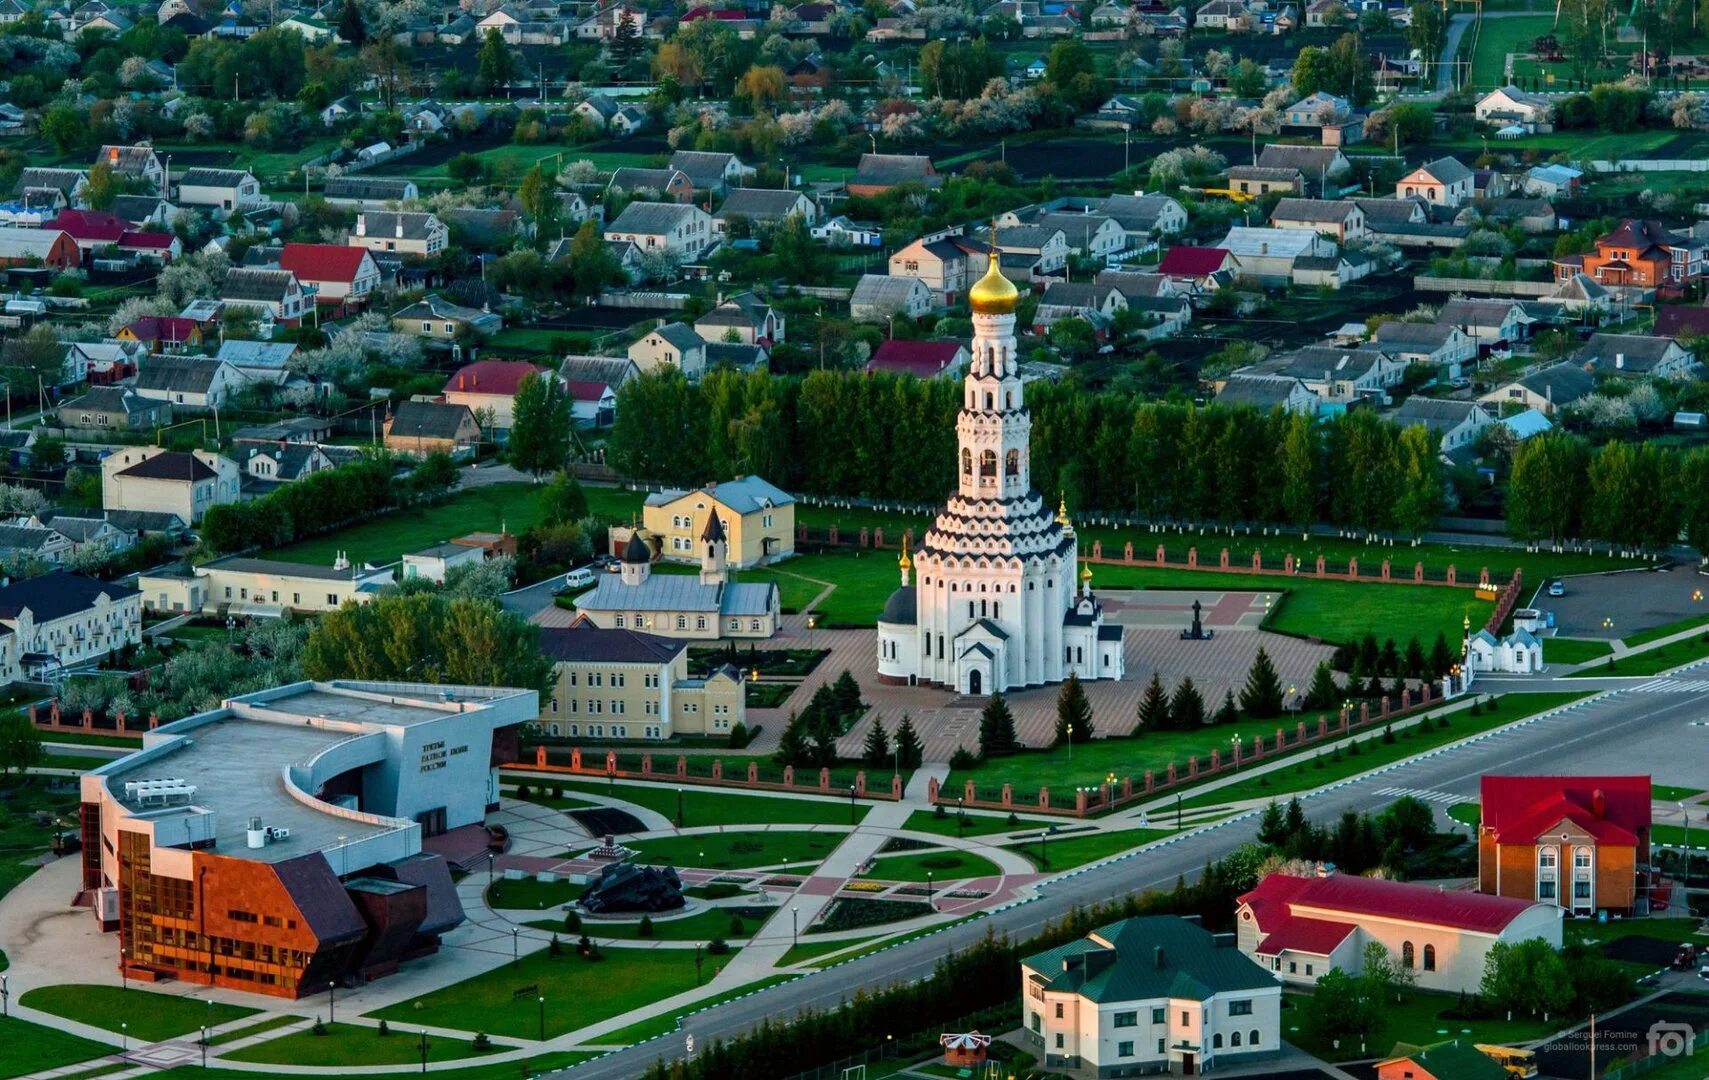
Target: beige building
[[680, 605], [620, 684], [670, 345], [429, 427], [435, 317], [259, 587], [168, 481], [942, 264], [60, 619], [400, 231], [758, 520], [680, 230]]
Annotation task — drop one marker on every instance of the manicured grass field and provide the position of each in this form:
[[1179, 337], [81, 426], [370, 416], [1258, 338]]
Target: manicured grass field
[[949, 824], [1596, 933], [941, 865], [1574, 650], [701, 926], [737, 851], [493, 1070], [702, 807], [27, 1048], [1414, 1019], [578, 992], [812, 950], [1065, 853], [1090, 763], [1676, 835], [1665, 630], [1672, 793], [522, 339], [1650, 661], [1467, 813], [385, 539], [528, 894], [1318, 767], [664, 1025], [251, 1030], [151, 1016], [354, 1044], [1497, 38]]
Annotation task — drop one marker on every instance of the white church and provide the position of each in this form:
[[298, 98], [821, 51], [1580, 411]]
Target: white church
[[997, 605]]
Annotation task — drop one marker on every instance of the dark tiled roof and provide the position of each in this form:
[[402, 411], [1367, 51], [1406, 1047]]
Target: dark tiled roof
[[584, 642], [428, 419], [171, 465], [56, 595]]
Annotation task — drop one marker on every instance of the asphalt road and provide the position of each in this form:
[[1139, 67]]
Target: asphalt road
[[1650, 729]]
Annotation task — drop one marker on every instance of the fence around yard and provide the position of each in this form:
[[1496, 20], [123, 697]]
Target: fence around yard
[[709, 772]]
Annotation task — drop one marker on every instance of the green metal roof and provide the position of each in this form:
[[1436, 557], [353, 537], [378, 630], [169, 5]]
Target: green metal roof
[[1140, 959], [1458, 1060]]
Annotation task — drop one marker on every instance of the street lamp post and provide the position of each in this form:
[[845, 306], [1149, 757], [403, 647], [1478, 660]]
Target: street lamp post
[[1236, 743], [515, 934], [124, 1037], [794, 925], [851, 805], [679, 808], [1043, 848], [960, 813], [424, 1051], [124, 973], [1070, 732], [204, 1046], [699, 959], [542, 1017], [490, 856], [1294, 701], [5, 996]]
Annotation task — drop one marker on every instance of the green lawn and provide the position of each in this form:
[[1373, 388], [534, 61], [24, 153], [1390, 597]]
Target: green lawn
[[1416, 1020], [522, 339], [701, 926], [1468, 814], [884, 943], [703, 807], [120, 742], [495, 1070], [643, 1030], [386, 538], [1574, 650], [27, 1048], [1665, 630], [1316, 768], [578, 992], [812, 950], [354, 1044], [527, 894], [1065, 853], [1650, 661], [1596, 933], [941, 865], [737, 851], [1497, 38], [976, 824], [252, 1030], [152, 1017], [1673, 793], [1676, 835]]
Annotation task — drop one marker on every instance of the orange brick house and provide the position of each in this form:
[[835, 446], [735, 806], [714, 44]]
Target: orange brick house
[[1579, 842], [1641, 254]]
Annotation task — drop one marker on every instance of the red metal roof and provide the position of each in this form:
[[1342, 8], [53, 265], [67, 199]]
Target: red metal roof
[[1281, 898], [1316, 936], [91, 225], [1613, 809], [153, 241], [322, 262], [1674, 321], [1192, 261], [168, 328], [500, 377], [925, 359], [587, 391]]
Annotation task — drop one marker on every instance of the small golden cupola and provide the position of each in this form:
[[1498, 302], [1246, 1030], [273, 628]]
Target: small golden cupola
[[993, 294]]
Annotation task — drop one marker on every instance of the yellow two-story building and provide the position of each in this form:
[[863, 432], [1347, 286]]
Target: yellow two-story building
[[758, 519], [622, 684]]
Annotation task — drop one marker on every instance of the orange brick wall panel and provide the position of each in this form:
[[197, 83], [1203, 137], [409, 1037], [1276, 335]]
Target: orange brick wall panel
[[226, 885], [1616, 878], [1518, 871], [1486, 863]]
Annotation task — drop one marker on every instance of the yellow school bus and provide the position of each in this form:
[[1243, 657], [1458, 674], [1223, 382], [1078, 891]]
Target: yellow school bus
[[1517, 1062]]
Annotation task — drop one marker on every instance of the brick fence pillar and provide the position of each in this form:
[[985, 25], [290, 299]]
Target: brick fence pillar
[[834, 534], [88, 717], [576, 758], [1288, 563], [1162, 556], [539, 757], [1418, 572], [1169, 775], [1097, 550], [1008, 794], [1127, 551], [1258, 561], [1385, 709], [1080, 802], [896, 787], [1216, 760], [1322, 566], [1406, 698], [1385, 570], [1193, 556], [824, 779], [153, 721], [753, 771], [1322, 726], [1044, 798], [646, 764], [1452, 577], [1353, 568], [610, 762], [878, 537], [967, 791], [789, 776], [931, 789], [1222, 559], [860, 784], [1192, 766], [717, 770], [865, 537], [1299, 736], [1364, 712], [1127, 787]]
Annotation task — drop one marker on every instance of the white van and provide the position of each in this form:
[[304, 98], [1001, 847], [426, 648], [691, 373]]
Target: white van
[[579, 578]]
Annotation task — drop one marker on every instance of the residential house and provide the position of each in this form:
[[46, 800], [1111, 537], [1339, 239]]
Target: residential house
[[1438, 344], [877, 297], [113, 408], [612, 371], [1579, 842], [86, 533], [1266, 392], [141, 212], [1547, 391], [369, 192], [667, 185], [406, 233], [1443, 182], [1231, 15], [267, 465], [59, 620], [51, 248], [757, 521], [66, 186], [1454, 1060], [1025, 252], [98, 231], [1153, 994], [712, 171], [877, 173], [1551, 181], [592, 404], [431, 427], [293, 431], [1491, 324], [1253, 180], [1456, 424], [439, 320], [942, 264], [1316, 110], [1511, 107], [744, 318], [102, 361], [135, 163], [151, 479], [1144, 217], [1268, 255], [1341, 218], [259, 361], [629, 120], [1095, 304], [277, 292], [679, 231], [1635, 356], [260, 588], [839, 231], [436, 563], [491, 385], [1299, 928], [29, 545], [337, 275], [1317, 165], [920, 359], [1087, 233], [737, 355], [1197, 271], [1342, 375], [596, 110], [1534, 216], [625, 684], [163, 333], [1490, 184], [765, 207], [188, 382], [670, 345], [1640, 253], [219, 189]]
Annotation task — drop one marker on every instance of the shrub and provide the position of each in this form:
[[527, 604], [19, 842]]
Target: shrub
[[646, 928], [556, 948], [1477, 709], [1388, 733], [572, 923], [1013, 820], [1491, 703], [523, 791], [1442, 721], [1353, 748], [480, 1042], [384, 1029], [938, 811], [737, 927], [319, 1028], [963, 758], [720, 890], [718, 947]]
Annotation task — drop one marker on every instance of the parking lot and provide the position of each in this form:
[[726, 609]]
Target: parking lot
[[1632, 601]]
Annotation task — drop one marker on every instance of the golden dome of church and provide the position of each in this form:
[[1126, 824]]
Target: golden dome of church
[[993, 294]]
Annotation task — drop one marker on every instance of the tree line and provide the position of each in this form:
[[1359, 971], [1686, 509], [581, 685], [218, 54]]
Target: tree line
[[324, 501], [1637, 496]]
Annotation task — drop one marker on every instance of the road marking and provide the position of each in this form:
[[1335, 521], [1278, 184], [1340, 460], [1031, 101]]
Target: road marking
[[1422, 794]]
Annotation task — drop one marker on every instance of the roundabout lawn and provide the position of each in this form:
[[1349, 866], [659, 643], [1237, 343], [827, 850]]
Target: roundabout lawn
[[737, 850], [941, 865], [527, 894], [150, 1017], [701, 806], [352, 1044], [578, 992], [1065, 853], [701, 926], [27, 1048]]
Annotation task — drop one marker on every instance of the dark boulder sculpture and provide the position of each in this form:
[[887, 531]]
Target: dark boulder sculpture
[[624, 887]]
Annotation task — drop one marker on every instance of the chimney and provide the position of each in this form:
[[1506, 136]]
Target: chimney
[[361, 224], [400, 226], [1157, 955], [1599, 804], [1619, 361], [462, 381]]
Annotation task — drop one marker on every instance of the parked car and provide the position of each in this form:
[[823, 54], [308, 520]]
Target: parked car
[[1557, 588]]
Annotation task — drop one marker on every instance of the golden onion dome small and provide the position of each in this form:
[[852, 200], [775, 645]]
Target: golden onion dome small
[[1085, 572], [904, 561], [993, 294], [1062, 513]]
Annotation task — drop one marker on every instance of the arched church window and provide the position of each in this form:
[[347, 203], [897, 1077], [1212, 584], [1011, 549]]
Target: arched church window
[[988, 463], [1008, 399], [1012, 463], [967, 462], [996, 609], [988, 401]]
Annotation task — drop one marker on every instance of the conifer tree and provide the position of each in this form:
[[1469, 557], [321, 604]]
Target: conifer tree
[[909, 752], [1227, 713], [1323, 692], [1153, 707], [996, 728], [1073, 713], [1261, 698], [1186, 707]]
